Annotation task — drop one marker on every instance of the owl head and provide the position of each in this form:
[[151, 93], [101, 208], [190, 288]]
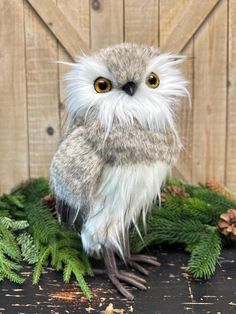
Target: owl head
[[126, 83]]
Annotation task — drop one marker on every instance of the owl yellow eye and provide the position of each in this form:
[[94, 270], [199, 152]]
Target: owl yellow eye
[[102, 85], [152, 80]]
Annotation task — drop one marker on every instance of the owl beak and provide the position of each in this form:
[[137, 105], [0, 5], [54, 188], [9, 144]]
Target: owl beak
[[129, 88]]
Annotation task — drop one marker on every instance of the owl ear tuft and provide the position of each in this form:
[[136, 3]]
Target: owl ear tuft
[[176, 58], [71, 64]]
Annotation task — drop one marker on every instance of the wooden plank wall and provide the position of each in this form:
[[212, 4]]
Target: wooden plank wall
[[14, 154], [31, 86]]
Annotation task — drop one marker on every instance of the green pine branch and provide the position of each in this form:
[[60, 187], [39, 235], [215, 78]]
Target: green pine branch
[[205, 254], [29, 251], [190, 221], [57, 247], [29, 232], [10, 255]]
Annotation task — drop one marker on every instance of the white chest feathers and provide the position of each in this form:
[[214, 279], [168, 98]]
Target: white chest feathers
[[124, 193]]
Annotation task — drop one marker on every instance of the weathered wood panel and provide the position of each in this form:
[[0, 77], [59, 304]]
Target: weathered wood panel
[[209, 108], [72, 9], [170, 13], [13, 108], [42, 93], [59, 25], [50, 30], [231, 114], [142, 21], [106, 23], [193, 16], [170, 290]]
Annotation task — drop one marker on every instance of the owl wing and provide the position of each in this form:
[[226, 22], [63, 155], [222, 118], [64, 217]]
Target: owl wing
[[74, 176], [69, 216]]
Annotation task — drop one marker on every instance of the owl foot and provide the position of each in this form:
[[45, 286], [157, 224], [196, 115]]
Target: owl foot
[[151, 260], [133, 261], [117, 276]]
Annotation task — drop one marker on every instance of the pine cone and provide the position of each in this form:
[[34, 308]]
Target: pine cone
[[217, 187], [173, 190], [227, 224], [51, 203]]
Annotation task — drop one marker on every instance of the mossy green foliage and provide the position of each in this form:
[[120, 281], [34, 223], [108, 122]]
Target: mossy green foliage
[[29, 232]]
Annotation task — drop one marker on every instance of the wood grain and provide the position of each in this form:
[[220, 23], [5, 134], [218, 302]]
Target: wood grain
[[77, 12], [170, 13], [13, 106], [185, 117], [208, 131], [59, 25], [182, 31], [142, 21], [42, 93], [209, 112], [231, 113], [170, 290], [106, 23]]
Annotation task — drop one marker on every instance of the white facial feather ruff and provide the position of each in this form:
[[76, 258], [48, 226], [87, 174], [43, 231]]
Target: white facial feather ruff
[[125, 191], [152, 108]]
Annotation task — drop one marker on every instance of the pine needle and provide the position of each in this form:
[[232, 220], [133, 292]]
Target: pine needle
[[205, 255], [29, 232], [29, 251]]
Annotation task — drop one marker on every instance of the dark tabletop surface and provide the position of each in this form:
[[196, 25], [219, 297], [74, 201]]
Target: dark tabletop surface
[[170, 290]]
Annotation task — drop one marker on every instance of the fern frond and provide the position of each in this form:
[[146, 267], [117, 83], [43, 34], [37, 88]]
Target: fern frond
[[67, 272], [87, 265], [80, 278], [19, 225], [4, 213], [13, 277], [70, 258], [13, 200], [42, 225], [33, 190], [54, 254], [44, 254], [29, 250], [8, 243]]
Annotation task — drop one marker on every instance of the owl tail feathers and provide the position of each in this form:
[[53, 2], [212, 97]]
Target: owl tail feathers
[[70, 217]]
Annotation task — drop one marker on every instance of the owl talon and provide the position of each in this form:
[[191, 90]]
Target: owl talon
[[120, 287], [134, 260], [131, 275], [131, 281], [138, 267], [151, 260], [116, 276]]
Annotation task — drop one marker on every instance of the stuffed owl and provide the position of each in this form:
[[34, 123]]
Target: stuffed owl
[[120, 145]]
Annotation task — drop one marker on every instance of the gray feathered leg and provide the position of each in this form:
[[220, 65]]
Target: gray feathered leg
[[117, 276], [133, 260]]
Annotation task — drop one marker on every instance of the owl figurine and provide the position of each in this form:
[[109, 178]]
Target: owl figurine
[[120, 144]]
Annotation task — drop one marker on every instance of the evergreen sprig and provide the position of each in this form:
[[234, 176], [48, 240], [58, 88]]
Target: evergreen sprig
[[191, 221], [29, 251], [10, 255], [205, 254], [29, 232], [43, 242], [58, 247]]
